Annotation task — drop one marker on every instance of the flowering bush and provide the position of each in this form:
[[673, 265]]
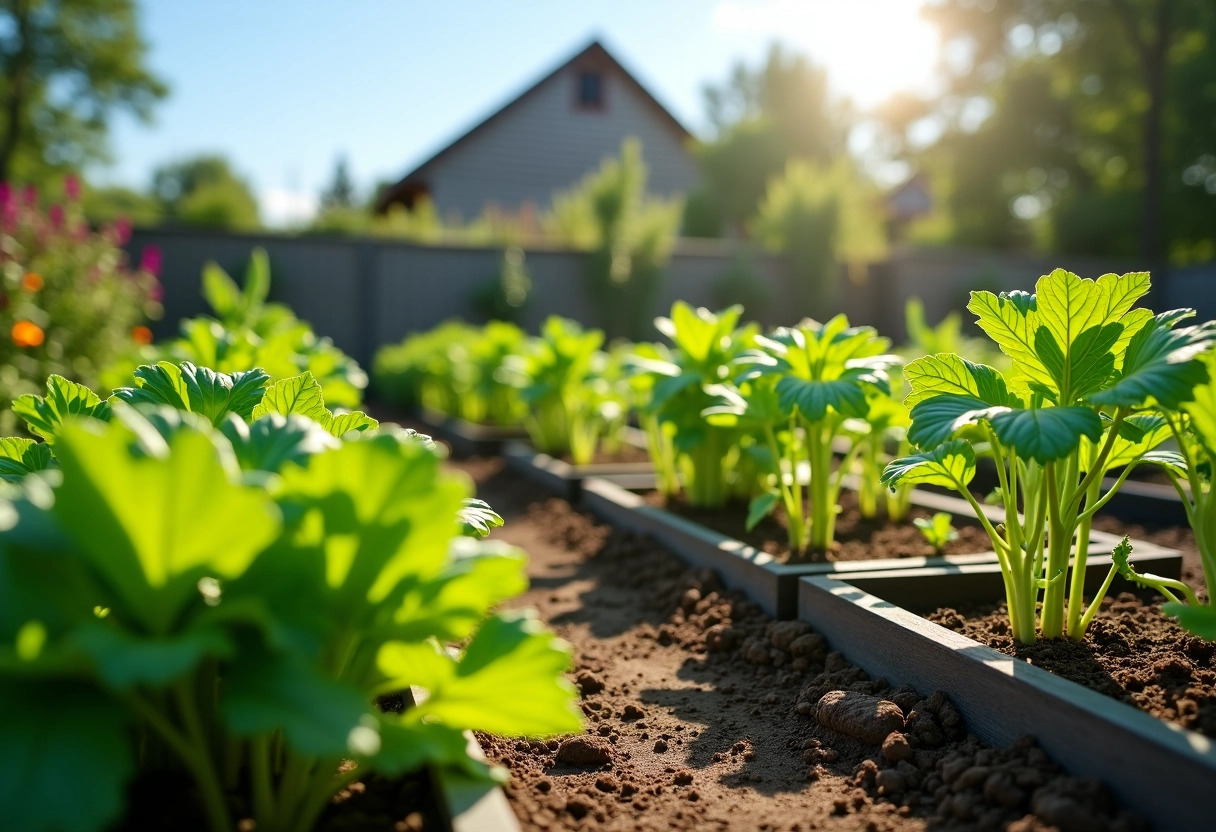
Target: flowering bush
[[69, 301]]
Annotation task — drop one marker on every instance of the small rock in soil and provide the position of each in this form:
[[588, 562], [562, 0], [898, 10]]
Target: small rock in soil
[[588, 683], [859, 715], [585, 751]]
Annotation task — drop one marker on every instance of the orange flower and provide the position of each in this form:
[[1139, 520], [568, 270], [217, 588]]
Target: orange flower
[[141, 335], [32, 281], [27, 334]]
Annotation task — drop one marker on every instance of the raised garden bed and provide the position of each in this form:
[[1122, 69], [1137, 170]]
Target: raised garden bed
[[1156, 767], [466, 438], [774, 585], [698, 718], [630, 469]]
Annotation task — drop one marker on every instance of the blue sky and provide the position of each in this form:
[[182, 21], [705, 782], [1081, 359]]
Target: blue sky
[[283, 87]]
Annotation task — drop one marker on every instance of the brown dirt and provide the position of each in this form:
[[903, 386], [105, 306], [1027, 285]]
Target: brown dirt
[[627, 453], [701, 711], [1132, 653], [856, 538]]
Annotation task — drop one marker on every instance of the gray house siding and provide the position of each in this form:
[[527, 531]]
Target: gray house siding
[[545, 142]]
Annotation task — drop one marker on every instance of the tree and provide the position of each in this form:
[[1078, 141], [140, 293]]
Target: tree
[[762, 119], [341, 191], [65, 67], [205, 191], [1087, 125], [111, 203]]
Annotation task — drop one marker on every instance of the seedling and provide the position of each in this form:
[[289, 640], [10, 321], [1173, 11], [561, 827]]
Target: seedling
[[937, 530]]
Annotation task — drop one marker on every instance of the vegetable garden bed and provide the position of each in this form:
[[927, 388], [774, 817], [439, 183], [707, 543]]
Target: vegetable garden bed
[[774, 585], [1156, 767], [700, 710], [630, 467]]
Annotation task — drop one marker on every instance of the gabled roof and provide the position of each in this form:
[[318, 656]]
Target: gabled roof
[[595, 50]]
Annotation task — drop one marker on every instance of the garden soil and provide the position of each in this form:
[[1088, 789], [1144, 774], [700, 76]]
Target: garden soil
[[856, 537], [702, 713]]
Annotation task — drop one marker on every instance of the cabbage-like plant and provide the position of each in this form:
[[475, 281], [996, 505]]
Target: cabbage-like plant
[[1093, 386], [247, 332], [567, 411], [807, 381], [161, 607], [708, 458]]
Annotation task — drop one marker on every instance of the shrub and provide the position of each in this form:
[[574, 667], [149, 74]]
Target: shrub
[[69, 301]]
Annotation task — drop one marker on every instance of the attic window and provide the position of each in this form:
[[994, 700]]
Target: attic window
[[590, 91]]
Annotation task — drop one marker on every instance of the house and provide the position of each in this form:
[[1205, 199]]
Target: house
[[907, 203], [548, 138]]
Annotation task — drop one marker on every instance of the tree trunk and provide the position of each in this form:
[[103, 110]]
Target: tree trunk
[[18, 94]]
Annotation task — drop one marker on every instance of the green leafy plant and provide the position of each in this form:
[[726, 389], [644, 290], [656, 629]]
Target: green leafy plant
[[70, 303], [247, 332], [158, 609], [937, 530], [883, 430], [568, 410], [799, 385], [456, 370], [1092, 386], [708, 459]]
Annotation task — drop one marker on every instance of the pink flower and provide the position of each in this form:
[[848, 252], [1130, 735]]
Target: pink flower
[[149, 259], [122, 231], [71, 187], [157, 292], [55, 215], [6, 194], [29, 196]]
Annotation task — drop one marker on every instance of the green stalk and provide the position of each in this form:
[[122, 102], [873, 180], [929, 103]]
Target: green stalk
[[793, 512], [867, 493], [324, 786], [822, 506], [260, 778], [1062, 524], [1076, 591]]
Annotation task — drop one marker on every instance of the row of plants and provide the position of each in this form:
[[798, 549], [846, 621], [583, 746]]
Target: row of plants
[[211, 572], [1080, 388]]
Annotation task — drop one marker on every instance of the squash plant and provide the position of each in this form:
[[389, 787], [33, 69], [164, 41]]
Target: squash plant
[[713, 461], [799, 385], [159, 606], [1092, 386]]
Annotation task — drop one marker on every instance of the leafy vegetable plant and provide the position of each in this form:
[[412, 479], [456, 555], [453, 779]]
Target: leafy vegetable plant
[[937, 530], [713, 461], [246, 333], [568, 407], [160, 606], [799, 386], [1092, 387]]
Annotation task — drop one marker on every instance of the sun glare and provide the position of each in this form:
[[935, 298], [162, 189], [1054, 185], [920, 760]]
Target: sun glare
[[871, 48]]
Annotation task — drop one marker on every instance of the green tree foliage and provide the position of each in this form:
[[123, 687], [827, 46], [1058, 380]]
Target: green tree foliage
[[762, 118], [65, 67], [114, 203], [630, 234], [205, 191], [819, 216], [1082, 125], [341, 191]]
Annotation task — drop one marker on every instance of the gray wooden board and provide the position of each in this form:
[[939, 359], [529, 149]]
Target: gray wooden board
[[566, 480], [471, 805], [774, 585], [1164, 772]]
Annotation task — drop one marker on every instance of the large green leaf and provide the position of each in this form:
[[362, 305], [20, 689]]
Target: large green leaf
[[510, 651], [1138, 434], [196, 389], [381, 512], [951, 464], [1046, 433], [123, 659], [947, 373], [1202, 409], [272, 441], [346, 423], [19, 457], [1200, 621], [155, 516], [265, 692], [221, 292], [64, 400], [67, 757], [1161, 364], [299, 395]]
